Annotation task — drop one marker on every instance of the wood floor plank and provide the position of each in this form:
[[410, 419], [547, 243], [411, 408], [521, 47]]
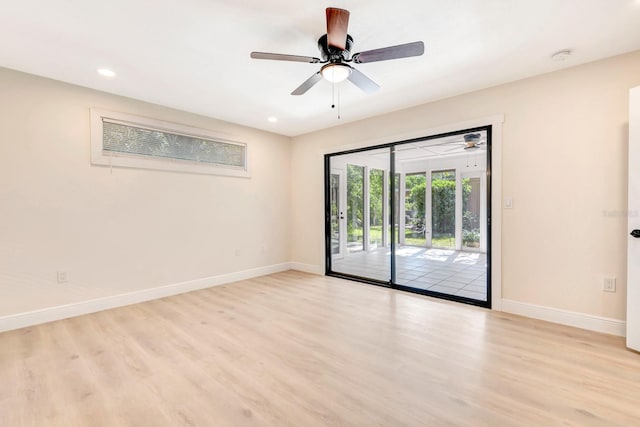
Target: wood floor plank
[[293, 349]]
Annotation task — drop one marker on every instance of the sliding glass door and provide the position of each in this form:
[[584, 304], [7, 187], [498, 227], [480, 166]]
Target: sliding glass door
[[413, 215]]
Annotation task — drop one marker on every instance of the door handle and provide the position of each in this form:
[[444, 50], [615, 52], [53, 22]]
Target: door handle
[[636, 234]]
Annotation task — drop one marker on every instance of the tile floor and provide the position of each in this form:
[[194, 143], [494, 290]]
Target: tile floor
[[440, 270]]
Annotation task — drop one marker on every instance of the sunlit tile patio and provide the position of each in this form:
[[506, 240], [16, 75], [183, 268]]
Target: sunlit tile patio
[[440, 270]]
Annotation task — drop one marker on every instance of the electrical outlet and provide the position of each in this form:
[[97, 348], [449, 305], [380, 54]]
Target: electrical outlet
[[237, 252], [609, 284], [62, 277]]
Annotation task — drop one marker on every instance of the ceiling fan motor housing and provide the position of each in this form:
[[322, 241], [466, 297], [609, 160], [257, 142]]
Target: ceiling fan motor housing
[[471, 141], [472, 137], [332, 54]]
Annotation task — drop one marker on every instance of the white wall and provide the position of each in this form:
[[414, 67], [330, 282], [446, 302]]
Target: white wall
[[564, 164], [125, 230]]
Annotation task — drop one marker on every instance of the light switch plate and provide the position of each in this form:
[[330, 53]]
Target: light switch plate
[[508, 203], [609, 284]]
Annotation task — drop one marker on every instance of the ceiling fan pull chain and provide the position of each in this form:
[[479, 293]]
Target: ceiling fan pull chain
[[333, 95]]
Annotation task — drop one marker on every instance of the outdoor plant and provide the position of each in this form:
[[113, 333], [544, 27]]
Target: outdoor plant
[[471, 238], [470, 221], [443, 194]]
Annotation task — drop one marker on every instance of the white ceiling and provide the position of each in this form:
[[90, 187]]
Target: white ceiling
[[193, 55]]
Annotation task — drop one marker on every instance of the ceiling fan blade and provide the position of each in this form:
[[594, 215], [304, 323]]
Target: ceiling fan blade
[[337, 23], [308, 84], [392, 52], [281, 57], [362, 81]]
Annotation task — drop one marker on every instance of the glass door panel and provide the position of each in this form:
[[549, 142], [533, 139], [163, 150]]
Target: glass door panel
[[365, 201], [443, 203]]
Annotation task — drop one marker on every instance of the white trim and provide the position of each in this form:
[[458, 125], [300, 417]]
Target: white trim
[[496, 214], [307, 268], [366, 189], [402, 206], [21, 320], [564, 317], [99, 158]]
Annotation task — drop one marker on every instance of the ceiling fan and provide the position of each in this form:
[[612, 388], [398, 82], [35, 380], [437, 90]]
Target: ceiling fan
[[470, 141], [335, 51]]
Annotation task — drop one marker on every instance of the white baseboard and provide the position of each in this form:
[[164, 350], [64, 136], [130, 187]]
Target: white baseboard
[[570, 318], [21, 320], [307, 268]]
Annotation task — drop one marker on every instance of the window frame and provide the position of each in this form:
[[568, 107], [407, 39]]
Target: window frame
[[113, 159]]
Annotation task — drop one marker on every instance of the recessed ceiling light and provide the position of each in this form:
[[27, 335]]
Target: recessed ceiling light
[[272, 119], [561, 55], [105, 72]]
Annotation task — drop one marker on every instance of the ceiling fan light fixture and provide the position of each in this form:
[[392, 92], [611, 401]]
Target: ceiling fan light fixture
[[336, 73]]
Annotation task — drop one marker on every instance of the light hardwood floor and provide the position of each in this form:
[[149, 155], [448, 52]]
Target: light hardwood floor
[[293, 349]]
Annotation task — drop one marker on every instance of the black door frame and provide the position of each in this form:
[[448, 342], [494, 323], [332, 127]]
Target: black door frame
[[391, 283]]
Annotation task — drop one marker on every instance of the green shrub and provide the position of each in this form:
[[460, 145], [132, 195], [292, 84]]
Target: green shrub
[[471, 238]]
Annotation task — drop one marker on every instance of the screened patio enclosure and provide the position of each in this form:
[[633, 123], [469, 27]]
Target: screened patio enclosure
[[413, 215]]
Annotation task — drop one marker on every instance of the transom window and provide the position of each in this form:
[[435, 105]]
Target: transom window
[[124, 140]]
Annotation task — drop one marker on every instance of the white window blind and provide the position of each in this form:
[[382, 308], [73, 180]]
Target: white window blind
[[123, 140], [127, 139]]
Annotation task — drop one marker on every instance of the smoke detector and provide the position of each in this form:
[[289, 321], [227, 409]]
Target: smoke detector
[[562, 55]]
